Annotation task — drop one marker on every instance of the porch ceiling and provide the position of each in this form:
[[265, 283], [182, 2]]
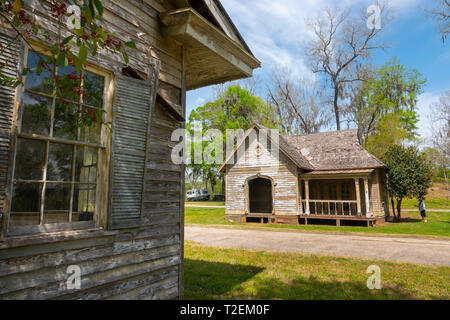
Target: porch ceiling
[[211, 56]]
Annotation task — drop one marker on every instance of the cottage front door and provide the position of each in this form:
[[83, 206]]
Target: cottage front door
[[260, 196]]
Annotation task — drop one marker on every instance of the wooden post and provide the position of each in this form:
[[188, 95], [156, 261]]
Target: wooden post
[[366, 191], [299, 195], [358, 196], [183, 179], [307, 197]]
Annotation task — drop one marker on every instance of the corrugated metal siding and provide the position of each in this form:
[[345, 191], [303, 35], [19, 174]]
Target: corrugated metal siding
[[12, 52], [132, 118]]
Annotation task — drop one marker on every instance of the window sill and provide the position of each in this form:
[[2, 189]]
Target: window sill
[[53, 237]]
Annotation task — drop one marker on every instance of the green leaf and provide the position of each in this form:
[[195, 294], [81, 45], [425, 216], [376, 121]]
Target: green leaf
[[78, 64], [61, 60], [87, 14], [82, 56], [67, 40], [125, 56], [99, 7], [91, 9], [17, 6], [130, 44]]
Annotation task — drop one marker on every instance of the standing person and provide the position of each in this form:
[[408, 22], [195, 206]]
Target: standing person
[[422, 209]]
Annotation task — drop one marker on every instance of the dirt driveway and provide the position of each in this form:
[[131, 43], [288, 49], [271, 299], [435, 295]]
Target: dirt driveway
[[401, 249]]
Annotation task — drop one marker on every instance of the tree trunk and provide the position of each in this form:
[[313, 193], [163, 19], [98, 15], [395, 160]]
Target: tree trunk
[[393, 208], [446, 183], [336, 107], [399, 208], [223, 185]]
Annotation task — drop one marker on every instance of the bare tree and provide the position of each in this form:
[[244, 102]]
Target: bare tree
[[441, 134], [442, 14], [340, 41], [298, 105]]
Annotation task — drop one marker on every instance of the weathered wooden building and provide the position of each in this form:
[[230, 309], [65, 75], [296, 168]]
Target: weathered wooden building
[[107, 201], [301, 179]]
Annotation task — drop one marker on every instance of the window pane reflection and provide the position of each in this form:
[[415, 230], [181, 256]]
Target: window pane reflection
[[59, 167], [57, 200], [84, 202], [26, 202], [41, 83], [35, 114], [70, 83], [65, 124], [86, 165], [93, 89], [29, 159]]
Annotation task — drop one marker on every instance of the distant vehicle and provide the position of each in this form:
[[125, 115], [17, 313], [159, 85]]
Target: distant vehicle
[[198, 195]]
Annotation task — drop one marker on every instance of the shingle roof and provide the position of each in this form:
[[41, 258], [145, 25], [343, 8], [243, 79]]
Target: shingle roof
[[338, 150], [327, 151]]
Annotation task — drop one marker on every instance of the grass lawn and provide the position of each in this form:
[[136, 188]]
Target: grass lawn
[[438, 223], [216, 273], [206, 203], [430, 203], [436, 198]]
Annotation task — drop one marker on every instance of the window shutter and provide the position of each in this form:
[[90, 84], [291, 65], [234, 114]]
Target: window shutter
[[131, 127], [10, 55]]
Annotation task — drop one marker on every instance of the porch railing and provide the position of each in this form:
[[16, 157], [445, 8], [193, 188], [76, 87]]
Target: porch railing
[[332, 207]]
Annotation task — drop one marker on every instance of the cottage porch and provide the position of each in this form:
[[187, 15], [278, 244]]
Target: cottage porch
[[336, 194]]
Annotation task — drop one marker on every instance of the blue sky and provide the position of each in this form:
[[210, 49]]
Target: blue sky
[[276, 30]]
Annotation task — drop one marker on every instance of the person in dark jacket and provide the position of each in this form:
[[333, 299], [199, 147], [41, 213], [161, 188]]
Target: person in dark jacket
[[423, 210]]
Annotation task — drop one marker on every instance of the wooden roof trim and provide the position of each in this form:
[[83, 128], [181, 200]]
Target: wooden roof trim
[[280, 146], [219, 13], [338, 172], [173, 108], [180, 22]]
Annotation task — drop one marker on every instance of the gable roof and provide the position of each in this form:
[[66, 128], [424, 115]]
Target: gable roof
[[337, 150], [284, 147], [327, 151], [214, 12]]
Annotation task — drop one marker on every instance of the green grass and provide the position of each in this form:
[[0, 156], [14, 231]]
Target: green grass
[[430, 204], [438, 223], [216, 273], [206, 203]]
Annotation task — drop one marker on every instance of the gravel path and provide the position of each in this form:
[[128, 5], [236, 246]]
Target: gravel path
[[400, 249]]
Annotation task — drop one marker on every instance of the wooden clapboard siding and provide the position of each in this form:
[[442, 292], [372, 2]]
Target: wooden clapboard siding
[[162, 200], [376, 199], [128, 19], [122, 263], [142, 259], [282, 171]]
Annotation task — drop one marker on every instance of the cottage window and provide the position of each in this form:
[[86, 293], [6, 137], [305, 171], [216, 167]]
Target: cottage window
[[59, 149], [345, 192], [332, 191]]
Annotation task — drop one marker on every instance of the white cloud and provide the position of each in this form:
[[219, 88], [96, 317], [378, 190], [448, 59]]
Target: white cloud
[[200, 101], [275, 30]]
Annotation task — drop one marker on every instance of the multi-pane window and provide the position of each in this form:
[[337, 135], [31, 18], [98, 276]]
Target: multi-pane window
[[332, 191], [345, 191], [56, 172]]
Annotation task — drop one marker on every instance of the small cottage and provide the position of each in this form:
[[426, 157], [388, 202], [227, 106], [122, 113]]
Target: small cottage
[[304, 179], [93, 213]]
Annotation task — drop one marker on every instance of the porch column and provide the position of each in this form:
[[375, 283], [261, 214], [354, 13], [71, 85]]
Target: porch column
[[366, 191], [307, 211], [358, 196], [299, 196]]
